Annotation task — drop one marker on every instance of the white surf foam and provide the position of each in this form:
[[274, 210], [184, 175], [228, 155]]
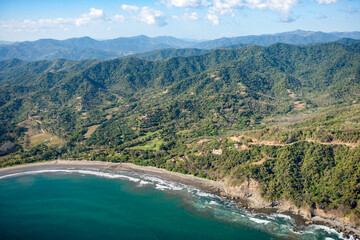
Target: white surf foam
[[142, 183], [205, 194], [279, 215], [329, 230], [213, 203], [161, 187], [85, 172], [30, 173], [325, 228], [163, 184], [261, 221]]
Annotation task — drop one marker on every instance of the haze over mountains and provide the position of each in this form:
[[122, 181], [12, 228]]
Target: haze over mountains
[[88, 48]]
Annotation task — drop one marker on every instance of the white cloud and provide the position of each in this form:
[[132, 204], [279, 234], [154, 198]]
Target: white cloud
[[94, 16], [214, 19], [283, 7], [50, 23], [186, 3], [130, 7], [145, 14], [29, 25], [118, 18], [188, 16], [151, 16], [191, 16], [327, 1], [220, 5], [230, 7]]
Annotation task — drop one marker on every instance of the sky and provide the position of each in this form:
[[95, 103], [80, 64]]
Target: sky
[[29, 20]]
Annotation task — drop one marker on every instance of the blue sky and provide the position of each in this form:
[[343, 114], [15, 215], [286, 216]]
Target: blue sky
[[22, 20]]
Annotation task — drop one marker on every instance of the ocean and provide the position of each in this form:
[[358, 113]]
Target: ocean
[[90, 204]]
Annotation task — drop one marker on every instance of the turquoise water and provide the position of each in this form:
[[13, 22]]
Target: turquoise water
[[85, 204]]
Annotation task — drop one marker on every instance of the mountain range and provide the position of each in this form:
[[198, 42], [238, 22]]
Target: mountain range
[[88, 48]]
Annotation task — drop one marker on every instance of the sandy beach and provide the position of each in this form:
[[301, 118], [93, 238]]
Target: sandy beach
[[209, 185], [247, 195]]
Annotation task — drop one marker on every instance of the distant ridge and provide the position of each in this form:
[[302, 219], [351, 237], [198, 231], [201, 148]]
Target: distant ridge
[[294, 37], [5, 42], [88, 48]]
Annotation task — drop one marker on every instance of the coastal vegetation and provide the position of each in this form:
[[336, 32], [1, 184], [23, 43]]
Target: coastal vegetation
[[287, 116]]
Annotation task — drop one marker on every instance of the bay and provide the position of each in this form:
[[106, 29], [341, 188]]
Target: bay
[[81, 205]]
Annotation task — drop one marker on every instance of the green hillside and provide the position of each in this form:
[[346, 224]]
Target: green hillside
[[285, 115], [171, 52]]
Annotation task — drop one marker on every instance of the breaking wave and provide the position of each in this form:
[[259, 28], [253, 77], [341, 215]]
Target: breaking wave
[[279, 225]]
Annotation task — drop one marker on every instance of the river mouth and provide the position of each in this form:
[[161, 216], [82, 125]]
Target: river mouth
[[201, 203]]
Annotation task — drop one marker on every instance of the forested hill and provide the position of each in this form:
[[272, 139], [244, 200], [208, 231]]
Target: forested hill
[[285, 115], [87, 48], [169, 53]]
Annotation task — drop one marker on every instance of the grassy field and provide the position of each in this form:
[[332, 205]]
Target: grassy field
[[151, 145], [35, 136], [91, 130]]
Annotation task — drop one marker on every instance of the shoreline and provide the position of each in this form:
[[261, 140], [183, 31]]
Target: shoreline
[[246, 195]]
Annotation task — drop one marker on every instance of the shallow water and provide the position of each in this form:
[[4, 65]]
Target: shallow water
[[89, 204]]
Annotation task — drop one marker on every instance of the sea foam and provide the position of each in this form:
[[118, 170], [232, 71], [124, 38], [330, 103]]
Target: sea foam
[[261, 221], [314, 228], [162, 184], [213, 203], [85, 172], [279, 215]]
